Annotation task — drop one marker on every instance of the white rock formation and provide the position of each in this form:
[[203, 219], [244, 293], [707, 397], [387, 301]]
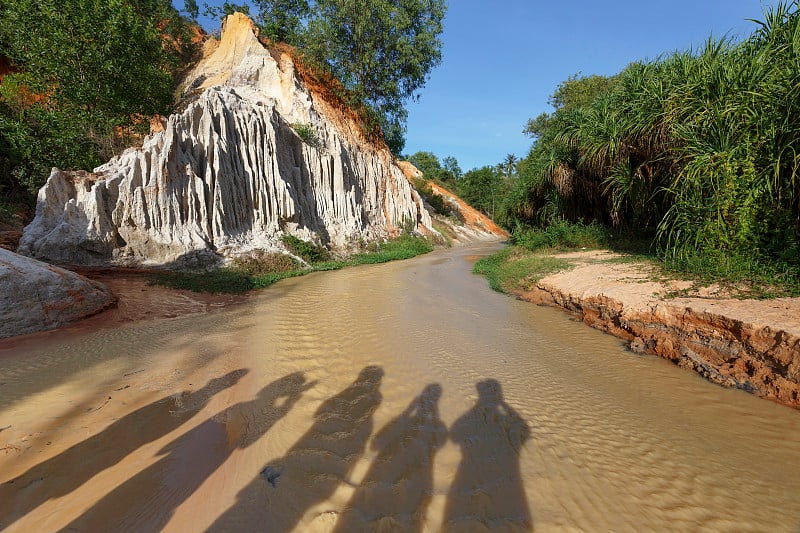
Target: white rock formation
[[36, 296], [229, 174]]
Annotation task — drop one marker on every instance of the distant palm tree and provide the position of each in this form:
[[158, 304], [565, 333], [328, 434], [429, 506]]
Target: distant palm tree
[[509, 166]]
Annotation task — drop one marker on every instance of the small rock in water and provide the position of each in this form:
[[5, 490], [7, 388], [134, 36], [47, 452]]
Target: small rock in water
[[271, 474]]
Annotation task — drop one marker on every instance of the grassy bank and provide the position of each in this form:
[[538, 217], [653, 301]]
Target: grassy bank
[[262, 270], [517, 267], [528, 260]]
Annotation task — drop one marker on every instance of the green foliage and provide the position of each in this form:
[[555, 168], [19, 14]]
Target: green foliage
[[240, 277], [307, 133], [563, 234], [226, 8], [698, 149], [222, 280], [261, 262], [579, 91], [404, 247], [308, 251], [381, 50], [483, 188], [86, 67], [446, 173], [282, 20], [514, 268]]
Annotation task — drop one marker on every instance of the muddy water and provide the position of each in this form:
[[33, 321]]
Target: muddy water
[[398, 397]]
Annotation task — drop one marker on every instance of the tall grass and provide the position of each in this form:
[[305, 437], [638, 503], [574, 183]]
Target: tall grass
[[514, 268]]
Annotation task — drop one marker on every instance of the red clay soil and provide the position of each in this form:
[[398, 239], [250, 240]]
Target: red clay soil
[[472, 217], [137, 300], [328, 93], [752, 345]]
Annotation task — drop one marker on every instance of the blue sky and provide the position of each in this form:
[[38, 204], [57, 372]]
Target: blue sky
[[503, 58]]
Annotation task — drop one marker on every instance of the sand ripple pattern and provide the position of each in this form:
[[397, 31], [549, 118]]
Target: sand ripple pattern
[[396, 397]]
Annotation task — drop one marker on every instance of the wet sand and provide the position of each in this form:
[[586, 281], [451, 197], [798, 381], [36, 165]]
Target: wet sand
[[137, 300], [396, 397]]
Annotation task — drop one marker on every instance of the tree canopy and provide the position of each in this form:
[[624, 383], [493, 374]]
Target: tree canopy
[[84, 68]]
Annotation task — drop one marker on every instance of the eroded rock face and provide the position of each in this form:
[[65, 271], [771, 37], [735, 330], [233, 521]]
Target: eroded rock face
[[36, 296], [746, 344], [229, 174], [474, 225]]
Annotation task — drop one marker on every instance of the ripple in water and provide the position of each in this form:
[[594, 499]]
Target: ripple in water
[[400, 397]]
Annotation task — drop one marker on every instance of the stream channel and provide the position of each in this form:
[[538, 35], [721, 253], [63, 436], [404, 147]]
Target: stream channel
[[399, 397]]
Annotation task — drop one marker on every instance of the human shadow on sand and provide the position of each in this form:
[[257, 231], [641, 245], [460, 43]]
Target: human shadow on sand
[[487, 492], [395, 493], [315, 465], [65, 472], [147, 501]]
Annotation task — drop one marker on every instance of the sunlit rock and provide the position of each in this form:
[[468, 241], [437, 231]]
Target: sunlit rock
[[254, 155], [36, 296]]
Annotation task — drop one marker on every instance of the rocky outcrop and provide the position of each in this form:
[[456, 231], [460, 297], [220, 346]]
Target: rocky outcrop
[[748, 344], [254, 155], [36, 296], [473, 226]]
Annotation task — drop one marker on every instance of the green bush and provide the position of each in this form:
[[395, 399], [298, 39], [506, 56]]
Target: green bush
[[563, 234], [261, 262], [308, 251], [307, 133]]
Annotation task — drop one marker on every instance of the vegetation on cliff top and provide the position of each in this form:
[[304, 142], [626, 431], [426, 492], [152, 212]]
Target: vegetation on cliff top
[[381, 51]]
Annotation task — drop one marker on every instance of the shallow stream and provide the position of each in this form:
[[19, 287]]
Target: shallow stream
[[398, 397]]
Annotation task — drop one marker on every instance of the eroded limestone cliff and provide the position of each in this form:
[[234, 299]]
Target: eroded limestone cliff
[[254, 155]]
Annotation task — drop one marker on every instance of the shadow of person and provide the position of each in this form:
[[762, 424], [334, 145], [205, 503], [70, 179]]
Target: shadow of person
[[147, 501], [487, 492], [314, 467], [70, 469], [398, 487]]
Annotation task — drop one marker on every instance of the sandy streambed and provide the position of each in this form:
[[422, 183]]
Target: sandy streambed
[[396, 397]]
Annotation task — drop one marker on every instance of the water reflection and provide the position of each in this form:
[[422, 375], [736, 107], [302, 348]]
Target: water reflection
[[487, 491], [395, 493], [150, 498], [313, 468], [67, 471]]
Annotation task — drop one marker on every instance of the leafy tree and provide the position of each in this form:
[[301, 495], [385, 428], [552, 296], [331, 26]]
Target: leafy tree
[[483, 189], [381, 50], [225, 9], [509, 166], [192, 9], [446, 175], [86, 67], [579, 91], [452, 169], [283, 20]]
